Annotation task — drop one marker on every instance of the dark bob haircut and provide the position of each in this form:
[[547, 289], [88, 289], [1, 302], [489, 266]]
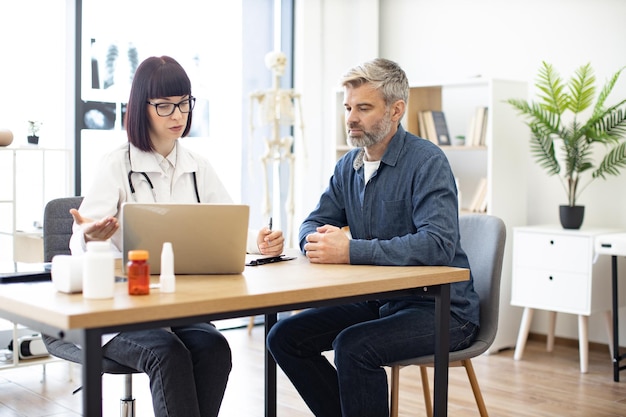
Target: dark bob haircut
[[156, 77]]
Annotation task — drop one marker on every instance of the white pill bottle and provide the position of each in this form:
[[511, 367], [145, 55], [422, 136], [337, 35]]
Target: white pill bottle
[[98, 271]]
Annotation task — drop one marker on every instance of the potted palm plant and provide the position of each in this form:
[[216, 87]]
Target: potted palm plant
[[563, 143]]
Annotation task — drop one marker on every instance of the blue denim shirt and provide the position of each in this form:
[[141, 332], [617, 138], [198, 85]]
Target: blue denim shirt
[[407, 214]]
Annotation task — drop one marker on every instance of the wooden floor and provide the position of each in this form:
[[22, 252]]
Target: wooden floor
[[542, 384]]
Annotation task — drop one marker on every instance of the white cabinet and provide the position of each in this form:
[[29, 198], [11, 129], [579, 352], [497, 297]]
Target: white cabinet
[[33, 176], [554, 270], [502, 161]]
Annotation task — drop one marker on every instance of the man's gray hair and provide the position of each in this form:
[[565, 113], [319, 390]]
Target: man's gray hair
[[383, 75]]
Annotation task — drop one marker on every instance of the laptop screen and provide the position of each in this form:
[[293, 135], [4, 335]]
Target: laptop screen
[[206, 238]]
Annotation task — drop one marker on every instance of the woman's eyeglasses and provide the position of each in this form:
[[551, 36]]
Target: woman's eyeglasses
[[166, 109]]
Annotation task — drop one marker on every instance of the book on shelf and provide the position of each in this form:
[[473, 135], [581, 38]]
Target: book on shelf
[[469, 137], [432, 126], [441, 128], [421, 126], [483, 204], [479, 200], [429, 132], [482, 139], [477, 131]]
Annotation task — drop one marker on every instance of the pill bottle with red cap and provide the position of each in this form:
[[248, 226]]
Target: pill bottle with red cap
[[138, 271]]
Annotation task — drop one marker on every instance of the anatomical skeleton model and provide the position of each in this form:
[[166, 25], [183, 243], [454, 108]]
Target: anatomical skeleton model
[[276, 108]]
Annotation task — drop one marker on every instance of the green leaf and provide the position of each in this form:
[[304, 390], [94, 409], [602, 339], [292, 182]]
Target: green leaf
[[552, 97], [606, 91], [615, 159], [582, 89]]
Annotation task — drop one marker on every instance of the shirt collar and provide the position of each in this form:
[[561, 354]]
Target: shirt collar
[[168, 162], [146, 162], [392, 153], [142, 161]]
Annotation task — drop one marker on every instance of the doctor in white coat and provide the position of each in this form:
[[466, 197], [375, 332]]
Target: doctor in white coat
[[188, 366]]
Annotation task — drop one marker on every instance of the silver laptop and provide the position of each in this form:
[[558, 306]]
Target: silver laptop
[[206, 238]]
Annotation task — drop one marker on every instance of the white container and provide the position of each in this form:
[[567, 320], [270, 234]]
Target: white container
[[167, 278], [67, 273], [98, 271]]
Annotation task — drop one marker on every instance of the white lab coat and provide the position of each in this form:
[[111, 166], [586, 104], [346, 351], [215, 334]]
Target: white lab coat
[[111, 188]]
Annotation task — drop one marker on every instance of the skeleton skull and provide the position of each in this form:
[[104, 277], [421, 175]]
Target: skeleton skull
[[276, 61]]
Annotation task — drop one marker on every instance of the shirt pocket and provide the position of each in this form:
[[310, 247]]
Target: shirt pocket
[[396, 219]]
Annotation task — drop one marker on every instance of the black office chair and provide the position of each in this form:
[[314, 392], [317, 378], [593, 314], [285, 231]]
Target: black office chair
[[483, 238], [57, 230]]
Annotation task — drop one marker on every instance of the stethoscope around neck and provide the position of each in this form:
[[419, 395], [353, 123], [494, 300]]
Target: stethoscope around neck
[[132, 187]]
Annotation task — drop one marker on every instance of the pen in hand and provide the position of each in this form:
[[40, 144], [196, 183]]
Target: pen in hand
[[269, 227]]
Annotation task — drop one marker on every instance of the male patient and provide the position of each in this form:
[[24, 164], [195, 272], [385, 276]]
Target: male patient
[[397, 195]]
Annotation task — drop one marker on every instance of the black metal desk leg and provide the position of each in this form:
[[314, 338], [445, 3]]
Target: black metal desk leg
[[270, 371], [616, 353], [92, 373], [442, 343]]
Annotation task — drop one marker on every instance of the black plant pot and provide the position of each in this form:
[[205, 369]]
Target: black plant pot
[[33, 140], [571, 216]]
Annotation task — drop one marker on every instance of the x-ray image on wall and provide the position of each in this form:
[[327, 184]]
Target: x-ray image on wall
[[98, 115], [111, 70]]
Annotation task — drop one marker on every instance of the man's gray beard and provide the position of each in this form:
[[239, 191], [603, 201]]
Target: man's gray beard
[[366, 140], [378, 133]]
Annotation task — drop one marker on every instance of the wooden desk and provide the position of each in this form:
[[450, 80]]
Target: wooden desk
[[266, 289]]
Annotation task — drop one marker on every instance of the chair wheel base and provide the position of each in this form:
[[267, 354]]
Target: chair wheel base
[[127, 408]]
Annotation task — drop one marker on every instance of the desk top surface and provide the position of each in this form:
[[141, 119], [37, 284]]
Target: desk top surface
[[611, 244], [296, 281]]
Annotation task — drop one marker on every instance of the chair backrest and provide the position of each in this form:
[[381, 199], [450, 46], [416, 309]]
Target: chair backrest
[[483, 238], [57, 226], [57, 231]]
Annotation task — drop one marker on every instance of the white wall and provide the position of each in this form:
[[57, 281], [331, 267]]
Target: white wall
[[34, 62], [434, 40], [330, 37], [442, 40], [36, 84]]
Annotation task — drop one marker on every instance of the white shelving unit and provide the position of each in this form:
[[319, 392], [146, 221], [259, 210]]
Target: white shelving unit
[[502, 161], [32, 175], [18, 331], [35, 176]]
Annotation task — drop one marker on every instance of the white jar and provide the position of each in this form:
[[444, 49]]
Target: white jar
[[98, 270]]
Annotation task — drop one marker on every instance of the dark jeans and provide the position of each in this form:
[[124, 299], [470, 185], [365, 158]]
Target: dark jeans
[[365, 337], [188, 367]]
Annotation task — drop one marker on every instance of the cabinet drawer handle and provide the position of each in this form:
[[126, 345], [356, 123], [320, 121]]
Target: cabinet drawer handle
[[550, 277], [552, 242]]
